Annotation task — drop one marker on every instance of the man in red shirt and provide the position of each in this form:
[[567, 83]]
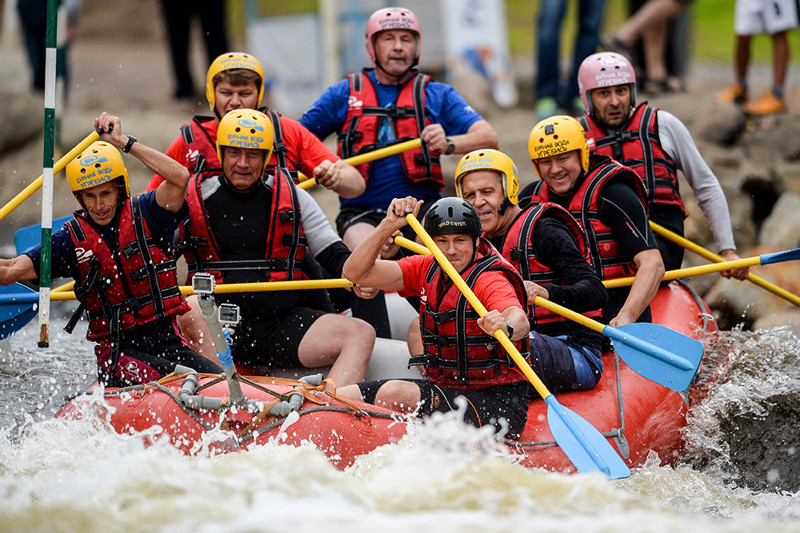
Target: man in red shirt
[[461, 357], [236, 81]]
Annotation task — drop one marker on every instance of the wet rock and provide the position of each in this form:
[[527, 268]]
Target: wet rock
[[781, 229], [746, 303], [765, 449], [723, 127], [22, 119], [788, 318]]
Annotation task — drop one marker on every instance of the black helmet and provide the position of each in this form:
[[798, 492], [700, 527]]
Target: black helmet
[[452, 215]]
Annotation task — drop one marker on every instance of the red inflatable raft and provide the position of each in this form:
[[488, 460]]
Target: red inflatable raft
[[636, 414]]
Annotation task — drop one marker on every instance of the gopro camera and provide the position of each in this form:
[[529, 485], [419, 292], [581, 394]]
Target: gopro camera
[[203, 283], [228, 314]]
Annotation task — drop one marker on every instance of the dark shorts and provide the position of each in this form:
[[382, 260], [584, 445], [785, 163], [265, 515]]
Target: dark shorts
[[672, 219], [353, 215], [564, 365], [503, 406], [148, 353], [272, 343]]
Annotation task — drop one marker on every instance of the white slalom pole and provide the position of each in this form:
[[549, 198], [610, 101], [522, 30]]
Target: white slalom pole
[[47, 173]]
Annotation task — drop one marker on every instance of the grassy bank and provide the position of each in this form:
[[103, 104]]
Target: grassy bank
[[711, 22]]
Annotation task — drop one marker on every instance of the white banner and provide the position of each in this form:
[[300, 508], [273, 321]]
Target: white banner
[[288, 48], [476, 40]]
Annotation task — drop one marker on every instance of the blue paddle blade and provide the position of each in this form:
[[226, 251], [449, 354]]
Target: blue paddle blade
[[777, 257], [583, 444], [658, 353], [17, 308], [28, 237]]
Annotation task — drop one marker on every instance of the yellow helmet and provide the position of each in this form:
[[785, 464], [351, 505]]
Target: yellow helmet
[[557, 135], [246, 128], [488, 159], [96, 165], [230, 61]]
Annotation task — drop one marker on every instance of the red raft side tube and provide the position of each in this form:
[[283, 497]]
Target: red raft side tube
[[342, 429], [637, 414]]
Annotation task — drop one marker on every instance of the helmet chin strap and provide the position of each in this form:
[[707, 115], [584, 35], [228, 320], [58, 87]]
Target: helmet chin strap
[[503, 206], [399, 77]]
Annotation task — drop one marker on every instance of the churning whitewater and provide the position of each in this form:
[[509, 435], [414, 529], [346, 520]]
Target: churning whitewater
[[738, 472]]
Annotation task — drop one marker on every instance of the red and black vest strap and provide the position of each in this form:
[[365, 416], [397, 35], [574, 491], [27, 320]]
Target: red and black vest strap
[[187, 131]]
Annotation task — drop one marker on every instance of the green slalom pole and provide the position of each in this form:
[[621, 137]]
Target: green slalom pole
[[48, 158]]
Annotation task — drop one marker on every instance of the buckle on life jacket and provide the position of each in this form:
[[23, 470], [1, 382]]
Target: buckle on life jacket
[[286, 216], [288, 240], [624, 136]]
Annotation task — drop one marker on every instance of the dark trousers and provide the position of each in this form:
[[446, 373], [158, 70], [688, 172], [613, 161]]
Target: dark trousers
[[178, 15]]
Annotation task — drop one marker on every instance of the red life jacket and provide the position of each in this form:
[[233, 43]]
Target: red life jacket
[[457, 352], [518, 248], [200, 138], [286, 242], [638, 146], [125, 288], [364, 118], [608, 259]]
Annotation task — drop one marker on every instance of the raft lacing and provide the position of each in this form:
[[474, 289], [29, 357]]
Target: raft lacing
[[314, 393]]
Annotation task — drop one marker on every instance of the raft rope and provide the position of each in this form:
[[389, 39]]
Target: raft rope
[[618, 434], [252, 430]]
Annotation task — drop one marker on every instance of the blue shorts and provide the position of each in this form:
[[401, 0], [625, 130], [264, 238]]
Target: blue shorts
[[563, 364]]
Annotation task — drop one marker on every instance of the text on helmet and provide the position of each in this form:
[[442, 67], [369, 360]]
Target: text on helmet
[[613, 77], [550, 149]]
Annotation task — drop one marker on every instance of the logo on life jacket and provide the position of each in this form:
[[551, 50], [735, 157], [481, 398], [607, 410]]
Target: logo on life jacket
[[83, 254], [354, 102]]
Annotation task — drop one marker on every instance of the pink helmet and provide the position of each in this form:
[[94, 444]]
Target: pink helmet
[[605, 69], [392, 18]]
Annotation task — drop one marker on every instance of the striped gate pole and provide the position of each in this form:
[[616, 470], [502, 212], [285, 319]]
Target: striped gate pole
[[47, 172]]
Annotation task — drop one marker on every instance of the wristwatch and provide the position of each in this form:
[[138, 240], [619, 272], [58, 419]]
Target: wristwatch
[[131, 140], [450, 147], [510, 329]]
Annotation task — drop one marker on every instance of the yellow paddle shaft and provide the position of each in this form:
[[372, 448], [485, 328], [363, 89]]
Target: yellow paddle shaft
[[307, 183], [690, 271], [295, 285], [702, 252], [478, 306], [58, 167], [408, 244]]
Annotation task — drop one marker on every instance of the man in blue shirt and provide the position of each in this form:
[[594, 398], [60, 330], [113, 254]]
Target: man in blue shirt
[[391, 103], [119, 251]]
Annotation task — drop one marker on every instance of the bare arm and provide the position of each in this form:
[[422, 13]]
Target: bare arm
[[363, 268], [19, 268], [169, 194], [479, 135], [650, 269]]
